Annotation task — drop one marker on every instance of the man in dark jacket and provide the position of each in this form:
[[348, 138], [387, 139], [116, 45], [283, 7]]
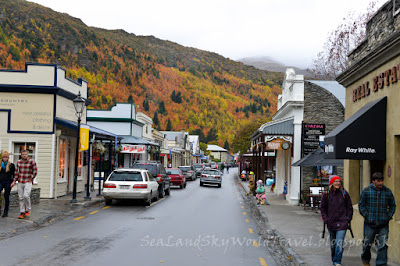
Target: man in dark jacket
[[7, 171], [377, 206], [336, 212]]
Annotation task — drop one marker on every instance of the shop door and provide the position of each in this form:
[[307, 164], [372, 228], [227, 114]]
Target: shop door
[[376, 166]]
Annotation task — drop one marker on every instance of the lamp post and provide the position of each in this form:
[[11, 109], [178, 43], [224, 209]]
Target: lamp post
[[79, 104]]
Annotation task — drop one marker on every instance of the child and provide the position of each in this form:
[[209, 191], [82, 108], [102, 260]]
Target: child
[[261, 193]]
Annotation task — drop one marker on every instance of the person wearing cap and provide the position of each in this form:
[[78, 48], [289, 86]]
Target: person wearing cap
[[377, 205], [337, 212], [7, 171]]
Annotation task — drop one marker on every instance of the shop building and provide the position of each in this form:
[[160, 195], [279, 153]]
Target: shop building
[[37, 114], [306, 110], [218, 152], [369, 138], [177, 148]]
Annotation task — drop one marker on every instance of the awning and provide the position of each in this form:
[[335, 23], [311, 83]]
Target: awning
[[100, 133], [316, 158], [362, 136], [136, 141]]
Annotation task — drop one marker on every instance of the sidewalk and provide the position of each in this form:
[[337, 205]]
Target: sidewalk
[[299, 232], [44, 213]]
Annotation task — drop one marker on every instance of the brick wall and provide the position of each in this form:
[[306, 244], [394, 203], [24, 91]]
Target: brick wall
[[379, 28], [320, 106]]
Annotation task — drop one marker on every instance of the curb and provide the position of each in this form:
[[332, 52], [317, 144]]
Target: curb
[[283, 243], [48, 219]]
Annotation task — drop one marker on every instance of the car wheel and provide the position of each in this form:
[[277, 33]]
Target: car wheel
[[201, 184], [108, 202], [150, 197], [162, 192], [168, 191], [184, 186], [219, 185], [157, 197]]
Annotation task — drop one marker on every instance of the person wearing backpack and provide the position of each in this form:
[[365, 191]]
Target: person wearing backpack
[[337, 213]]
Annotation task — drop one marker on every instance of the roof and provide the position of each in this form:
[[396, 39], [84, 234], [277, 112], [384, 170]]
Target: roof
[[215, 148], [174, 135], [316, 158], [100, 133], [281, 127], [138, 141], [333, 87]]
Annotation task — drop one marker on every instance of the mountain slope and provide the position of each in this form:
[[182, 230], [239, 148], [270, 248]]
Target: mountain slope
[[269, 64], [215, 92]]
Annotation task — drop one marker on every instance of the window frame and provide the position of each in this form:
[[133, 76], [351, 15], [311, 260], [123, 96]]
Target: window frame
[[12, 147]]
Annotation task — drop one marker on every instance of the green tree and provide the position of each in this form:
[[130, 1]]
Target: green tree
[[203, 147], [241, 142], [199, 132], [161, 108], [169, 126], [146, 105], [156, 122], [212, 135], [173, 96], [130, 99], [226, 145]]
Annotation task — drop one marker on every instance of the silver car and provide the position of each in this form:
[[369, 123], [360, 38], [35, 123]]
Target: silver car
[[130, 184], [188, 171], [211, 176]]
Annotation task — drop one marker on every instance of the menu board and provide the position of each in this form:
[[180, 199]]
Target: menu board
[[310, 137]]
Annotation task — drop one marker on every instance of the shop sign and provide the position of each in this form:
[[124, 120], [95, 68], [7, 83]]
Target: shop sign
[[84, 138], [390, 76], [133, 148], [310, 137], [28, 112], [275, 144]]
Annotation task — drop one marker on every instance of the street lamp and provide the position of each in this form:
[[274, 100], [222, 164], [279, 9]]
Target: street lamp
[[79, 104]]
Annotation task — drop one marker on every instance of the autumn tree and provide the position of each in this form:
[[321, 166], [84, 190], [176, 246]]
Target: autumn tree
[[241, 142], [333, 60]]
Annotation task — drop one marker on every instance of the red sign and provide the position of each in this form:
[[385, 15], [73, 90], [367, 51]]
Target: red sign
[[133, 148]]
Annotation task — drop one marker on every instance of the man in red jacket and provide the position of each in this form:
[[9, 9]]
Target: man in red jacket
[[336, 212], [25, 172]]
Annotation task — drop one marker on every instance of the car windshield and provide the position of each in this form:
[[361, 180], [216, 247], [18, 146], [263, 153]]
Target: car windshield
[[172, 172], [185, 168], [126, 176], [152, 168], [198, 166], [209, 172]]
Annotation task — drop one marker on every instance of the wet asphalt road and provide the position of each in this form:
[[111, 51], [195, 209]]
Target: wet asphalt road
[[194, 226]]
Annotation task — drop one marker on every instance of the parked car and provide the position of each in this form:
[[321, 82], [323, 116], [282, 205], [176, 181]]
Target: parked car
[[177, 177], [158, 171], [130, 184], [211, 176], [198, 168], [188, 171]]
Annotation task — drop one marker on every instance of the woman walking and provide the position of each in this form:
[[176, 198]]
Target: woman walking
[[7, 171], [336, 212]]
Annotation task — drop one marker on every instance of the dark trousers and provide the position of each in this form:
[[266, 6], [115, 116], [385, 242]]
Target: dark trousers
[[7, 189], [381, 243]]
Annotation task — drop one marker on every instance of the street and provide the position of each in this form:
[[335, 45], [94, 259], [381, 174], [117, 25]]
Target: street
[[194, 226]]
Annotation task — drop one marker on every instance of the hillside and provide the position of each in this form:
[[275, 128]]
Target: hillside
[[215, 93], [268, 63]]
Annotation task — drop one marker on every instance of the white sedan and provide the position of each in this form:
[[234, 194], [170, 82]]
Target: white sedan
[[130, 184]]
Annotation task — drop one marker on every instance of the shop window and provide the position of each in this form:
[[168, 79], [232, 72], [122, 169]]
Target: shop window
[[63, 161], [20, 146]]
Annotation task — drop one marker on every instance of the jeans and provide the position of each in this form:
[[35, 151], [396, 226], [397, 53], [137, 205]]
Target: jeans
[[337, 241], [369, 237], [7, 189]]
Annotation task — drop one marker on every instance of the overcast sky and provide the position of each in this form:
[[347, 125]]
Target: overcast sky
[[290, 31]]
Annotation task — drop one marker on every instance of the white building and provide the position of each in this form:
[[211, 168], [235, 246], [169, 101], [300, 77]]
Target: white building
[[218, 152], [195, 147], [178, 147]]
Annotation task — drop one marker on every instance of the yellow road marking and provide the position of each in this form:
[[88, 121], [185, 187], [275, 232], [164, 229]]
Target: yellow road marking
[[106, 207], [242, 207], [93, 212], [255, 244], [76, 219], [251, 231], [244, 213], [262, 261], [247, 221]]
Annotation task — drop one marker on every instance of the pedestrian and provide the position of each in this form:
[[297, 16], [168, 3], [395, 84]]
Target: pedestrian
[[26, 171], [227, 168], [337, 212], [377, 206], [7, 172]]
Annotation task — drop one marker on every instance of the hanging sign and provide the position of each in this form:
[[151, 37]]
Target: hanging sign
[[133, 148], [84, 138]]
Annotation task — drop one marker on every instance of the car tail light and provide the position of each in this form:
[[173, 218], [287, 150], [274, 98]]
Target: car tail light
[[140, 186], [203, 175], [217, 176], [110, 185]]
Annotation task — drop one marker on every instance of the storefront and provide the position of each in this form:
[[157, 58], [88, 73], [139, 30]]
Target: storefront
[[369, 138], [35, 110]]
